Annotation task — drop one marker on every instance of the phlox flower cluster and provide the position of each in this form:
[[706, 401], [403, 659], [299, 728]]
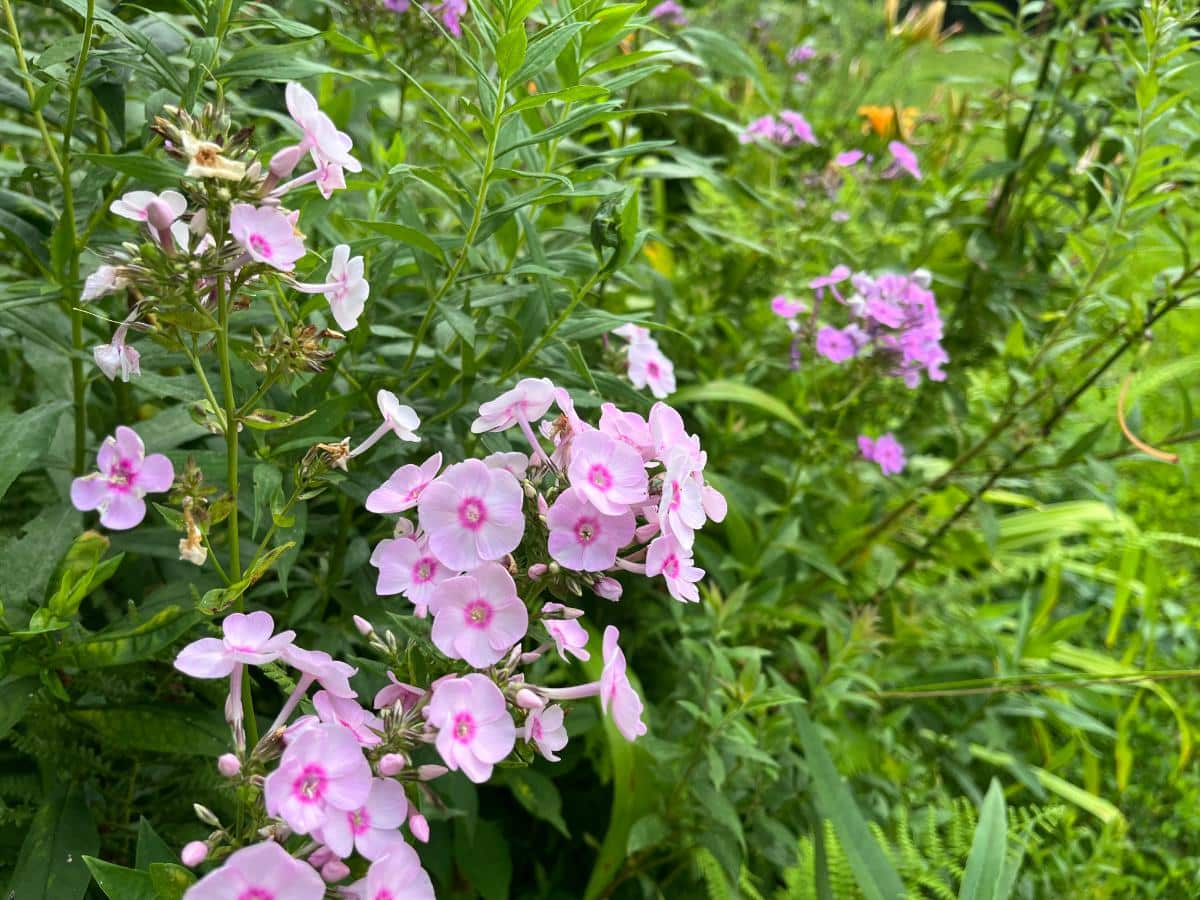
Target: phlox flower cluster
[[885, 450], [670, 13], [647, 365], [797, 57], [450, 12], [894, 319], [227, 227], [902, 161], [787, 129]]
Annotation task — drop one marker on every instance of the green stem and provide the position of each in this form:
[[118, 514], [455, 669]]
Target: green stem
[[14, 37], [489, 163], [231, 431], [558, 323]]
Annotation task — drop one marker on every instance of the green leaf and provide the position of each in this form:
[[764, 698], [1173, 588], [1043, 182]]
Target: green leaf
[[15, 696], [50, 864], [486, 860], [219, 599], [510, 51], [405, 235], [147, 170], [278, 62], [722, 391], [123, 644], [119, 883], [81, 572], [648, 831], [874, 874], [170, 880], [25, 439], [985, 864], [158, 729], [150, 847], [581, 92], [537, 794]]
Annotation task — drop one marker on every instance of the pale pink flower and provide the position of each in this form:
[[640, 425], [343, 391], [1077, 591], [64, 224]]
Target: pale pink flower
[[259, 872], [582, 537], [544, 727], [247, 639], [267, 235], [681, 507], [156, 210], [344, 287], [617, 696], [475, 730], [609, 473], [329, 177], [512, 461], [608, 588], [365, 725], [321, 137], [104, 280], [193, 853], [629, 428], [397, 876], [398, 418], [904, 159], [527, 402], [635, 334], [839, 274], [668, 432], [670, 559], [407, 566], [884, 450], [397, 692], [648, 366], [322, 772], [472, 514], [118, 359], [317, 665], [126, 475], [373, 828], [403, 489], [568, 635], [479, 617], [785, 307]]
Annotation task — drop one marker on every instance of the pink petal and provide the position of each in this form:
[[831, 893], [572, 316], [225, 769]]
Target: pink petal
[[157, 474], [124, 511], [205, 658]]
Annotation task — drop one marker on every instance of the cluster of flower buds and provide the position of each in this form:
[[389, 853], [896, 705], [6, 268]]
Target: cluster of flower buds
[[226, 228], [645, 364], [894, 319]]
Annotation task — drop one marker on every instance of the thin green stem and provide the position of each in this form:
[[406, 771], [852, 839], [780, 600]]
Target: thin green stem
[[489, 163], [199, 370], [558, 323], [14, 37], [224, 301]]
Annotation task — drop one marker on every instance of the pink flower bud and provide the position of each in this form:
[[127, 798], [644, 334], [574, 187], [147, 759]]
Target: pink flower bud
[[527, 699], [608, 588], [320, 857], [536, 571], [334, 870], [543, 507], [404, 527], [430, 772], [286, 160], [365, 628], [419, 826], [160, 215], [194, 853], [392, 764], [228, 765]]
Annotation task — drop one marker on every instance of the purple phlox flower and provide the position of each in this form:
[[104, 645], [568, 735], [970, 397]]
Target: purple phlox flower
[[801, 53], [451, 13], [344, 287], [125, 476], [884, 450], [801, 131], [848, 158], [670, 12], [903, 159]]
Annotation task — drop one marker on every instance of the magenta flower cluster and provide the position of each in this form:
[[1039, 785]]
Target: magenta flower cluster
[[787, 129], [450, 12]]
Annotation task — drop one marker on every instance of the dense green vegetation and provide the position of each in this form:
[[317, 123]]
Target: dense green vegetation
[[928, 298]]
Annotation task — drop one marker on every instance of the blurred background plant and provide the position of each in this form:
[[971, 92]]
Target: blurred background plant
[[985, 614]]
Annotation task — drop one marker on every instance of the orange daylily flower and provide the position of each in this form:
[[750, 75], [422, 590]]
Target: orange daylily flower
[[883, 121]]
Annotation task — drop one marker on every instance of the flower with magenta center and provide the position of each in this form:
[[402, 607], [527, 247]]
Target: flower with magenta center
[[403, 489], [407, 566], [479, 617], [247, 639], [267, 235], [322, 772], [835, 344], [474, 728], [568, 635], [670, 559], [321, 137], [126, 475], [472, 514], [544, 728], [344, 287], [582, 537], [260, 872], [397, 876], [373, 828], [609, 474], [649, 367], [527, 402]]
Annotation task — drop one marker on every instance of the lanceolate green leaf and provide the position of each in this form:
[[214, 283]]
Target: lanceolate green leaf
[[50, 864], [722, 391], [985, 864]]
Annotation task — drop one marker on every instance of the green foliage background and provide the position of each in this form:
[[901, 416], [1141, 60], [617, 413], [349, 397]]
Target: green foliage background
[[526, 189]]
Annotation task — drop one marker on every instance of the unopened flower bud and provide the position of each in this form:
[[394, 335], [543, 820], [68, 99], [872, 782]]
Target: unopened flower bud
[[527, 699], [228, 765], [365, 628], [530, 490], [320, 857], [553, 568], [430, 772], [543, 507], [286, 160], [334, 870], [608, 588], [403, 528], [206, 815], [193, 854], [419, 826], [536, 571], [392, 764]]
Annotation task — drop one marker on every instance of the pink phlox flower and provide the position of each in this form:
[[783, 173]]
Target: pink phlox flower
[[344, 287], [451, 13], [479, 617], [400, 6], [668, 432], [617, 696], [372, 829], [884, 450], [474, 728], [118, 359], [834, 278], [262, 871], [584, 538], [247, 639], [407, 566], [125, 476], [397, 692], [403, 489], [568, 635], [607, 472], [835, 344], [396, 876], [544, 728], [156, 210], [322, 772], [329, 177], [667, 557], [801, 131], [267, 235], [649, 367], [801, 53], [564, 429], [762, 127], [365, 725], [681, 506], [715, 504], [670, 12], [104, 280], [321, 137], [332, 674], [628, 428], [786, 307], [398, 418], [529, 400], [472, 514], [848, 158], [513, 461], [904, 160], [608, 588], [633, 333]]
